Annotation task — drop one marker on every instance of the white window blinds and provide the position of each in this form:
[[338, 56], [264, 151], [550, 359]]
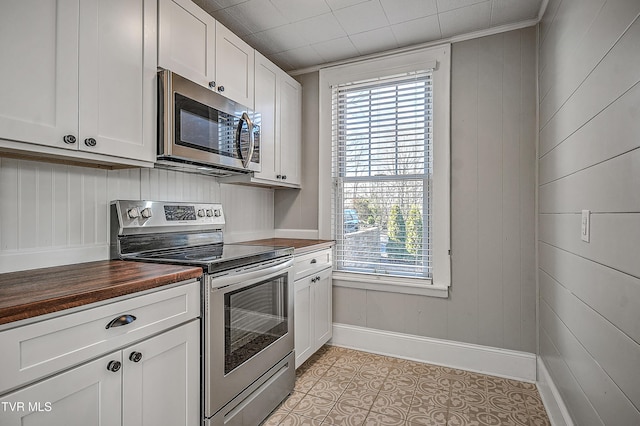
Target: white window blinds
[[382, 170]]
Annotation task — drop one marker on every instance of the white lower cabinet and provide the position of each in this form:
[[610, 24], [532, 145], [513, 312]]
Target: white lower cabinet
[[147, 372], [312, 305], [86, 395], [162, 388], [152, 383]]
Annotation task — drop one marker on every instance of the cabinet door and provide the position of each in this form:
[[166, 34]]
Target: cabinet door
[[162, 388], [235, 67], [39, 72], [187, 40], [322, 310], [86, 395], [117, 77], [290, 130], [265, 100], [302, 316]]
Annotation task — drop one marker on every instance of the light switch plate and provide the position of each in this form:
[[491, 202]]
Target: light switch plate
[[586, 225]]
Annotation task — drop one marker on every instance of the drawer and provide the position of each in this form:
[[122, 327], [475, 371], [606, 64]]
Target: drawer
[[37, 350], [311, 263]]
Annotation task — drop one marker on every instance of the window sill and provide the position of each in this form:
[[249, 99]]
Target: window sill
[[389, 284]]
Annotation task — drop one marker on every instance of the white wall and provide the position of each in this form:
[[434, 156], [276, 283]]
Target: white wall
[[589, 159], [55, 214], [493, 292]]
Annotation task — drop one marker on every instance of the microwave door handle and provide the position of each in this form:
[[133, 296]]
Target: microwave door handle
[[252, 141]]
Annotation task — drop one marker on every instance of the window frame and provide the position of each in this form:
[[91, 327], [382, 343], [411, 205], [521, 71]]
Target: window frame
[[439, 59]]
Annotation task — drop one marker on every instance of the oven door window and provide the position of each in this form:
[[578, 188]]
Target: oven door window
[[255, 317]]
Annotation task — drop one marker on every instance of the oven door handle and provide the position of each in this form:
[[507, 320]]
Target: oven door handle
[[250, 275]]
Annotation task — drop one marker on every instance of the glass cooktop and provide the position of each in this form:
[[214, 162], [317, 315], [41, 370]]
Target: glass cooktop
[[215, 257]]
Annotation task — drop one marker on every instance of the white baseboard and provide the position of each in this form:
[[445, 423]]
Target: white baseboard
[[481, 359], [553, 402], [21, 260], [311, 234]]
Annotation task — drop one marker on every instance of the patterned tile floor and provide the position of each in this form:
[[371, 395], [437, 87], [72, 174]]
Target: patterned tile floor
[[339, 386]]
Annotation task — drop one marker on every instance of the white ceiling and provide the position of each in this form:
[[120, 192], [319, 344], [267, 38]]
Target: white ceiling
[[298, 34]]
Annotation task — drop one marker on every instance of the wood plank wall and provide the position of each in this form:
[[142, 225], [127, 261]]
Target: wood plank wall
[[56, 214], [589, 79], [493, 294]]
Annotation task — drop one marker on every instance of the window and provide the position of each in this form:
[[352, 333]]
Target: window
[[382, 171], [384, 175]]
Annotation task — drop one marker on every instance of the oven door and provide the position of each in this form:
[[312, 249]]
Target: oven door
[[248, 328]]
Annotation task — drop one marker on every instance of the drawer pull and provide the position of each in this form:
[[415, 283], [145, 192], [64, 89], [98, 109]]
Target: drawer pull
[[120, 321], [313, 261]]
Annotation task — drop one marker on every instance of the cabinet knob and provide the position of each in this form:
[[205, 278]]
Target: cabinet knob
[[313, 280], [120, 321], [212, 84], [284, 177], [317, 278], [70, 139], [220, 88], [135, 356], [278, 176], [90, 142], [114, 366]]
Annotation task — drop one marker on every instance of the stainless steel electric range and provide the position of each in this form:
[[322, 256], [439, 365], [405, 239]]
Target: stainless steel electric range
[[247, 302]]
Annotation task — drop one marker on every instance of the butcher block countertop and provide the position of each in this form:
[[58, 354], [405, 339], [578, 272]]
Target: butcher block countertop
[[27, 294], [301, 246]]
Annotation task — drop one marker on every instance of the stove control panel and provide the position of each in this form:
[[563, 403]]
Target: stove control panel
[[132, 214]]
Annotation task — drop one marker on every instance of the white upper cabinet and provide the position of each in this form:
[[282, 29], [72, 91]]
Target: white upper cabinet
[[234, 67], [82, 80], [290, 137], [118, 51], [187, 41], [194, 45], [278, 104], [266, 92], [39, 75]]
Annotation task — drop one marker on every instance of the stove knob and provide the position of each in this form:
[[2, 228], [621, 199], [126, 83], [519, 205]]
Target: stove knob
[[146, 213], [209, 212], [216, 213], [133, 213], [200, 212]]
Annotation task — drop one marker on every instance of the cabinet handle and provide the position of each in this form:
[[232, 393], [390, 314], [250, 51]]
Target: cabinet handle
[[90, 142], [313, 261], [220, 88], [135, 356], [212, 84], [120, 321], [114, 366], [70, 139]]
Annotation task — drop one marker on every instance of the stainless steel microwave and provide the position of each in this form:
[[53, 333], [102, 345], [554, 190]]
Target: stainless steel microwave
[[203, 131]]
